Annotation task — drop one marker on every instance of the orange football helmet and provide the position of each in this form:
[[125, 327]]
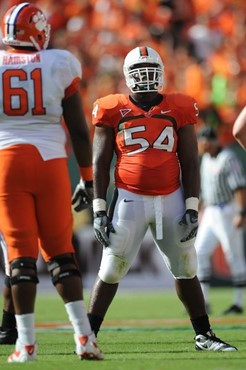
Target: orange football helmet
[[25, 25]]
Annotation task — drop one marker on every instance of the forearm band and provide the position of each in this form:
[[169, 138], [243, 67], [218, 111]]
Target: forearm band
[[192, 203], [86, 173], [99, 205]]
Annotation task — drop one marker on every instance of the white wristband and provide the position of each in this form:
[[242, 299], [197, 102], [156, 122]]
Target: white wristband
[[192, 203], [99, 205], [82, 183]]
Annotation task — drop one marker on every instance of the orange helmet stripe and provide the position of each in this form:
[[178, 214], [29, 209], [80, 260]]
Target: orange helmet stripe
[[143, 51]]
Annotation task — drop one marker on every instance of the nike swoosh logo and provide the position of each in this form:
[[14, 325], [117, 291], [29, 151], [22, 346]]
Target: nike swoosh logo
[[165, 111], [128, 200], [29, 349]]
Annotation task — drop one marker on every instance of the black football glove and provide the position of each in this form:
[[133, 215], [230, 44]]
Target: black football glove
[[102, 227], [190, 221], [83, 195]]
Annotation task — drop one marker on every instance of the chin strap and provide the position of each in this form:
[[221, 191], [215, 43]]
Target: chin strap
[[34, 43]]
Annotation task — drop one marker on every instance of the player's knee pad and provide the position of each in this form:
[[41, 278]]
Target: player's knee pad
[[61, 267], [113, 269], [23, 270]]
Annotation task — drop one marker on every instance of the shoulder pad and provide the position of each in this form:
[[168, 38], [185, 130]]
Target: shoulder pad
[[106, 110], [181, 100], [64, 57], [109, 102], [61, 52], [67, 64]]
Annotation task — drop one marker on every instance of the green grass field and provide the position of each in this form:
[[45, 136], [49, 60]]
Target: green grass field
[[142, 330]]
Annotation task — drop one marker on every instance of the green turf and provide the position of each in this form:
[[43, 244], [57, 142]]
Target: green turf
[[147, 331]]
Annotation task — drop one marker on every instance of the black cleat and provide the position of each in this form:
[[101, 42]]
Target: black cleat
[[8, 336], [233, 309], [209, 342]]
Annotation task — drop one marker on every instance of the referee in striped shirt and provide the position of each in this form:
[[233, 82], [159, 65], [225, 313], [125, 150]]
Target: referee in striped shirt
[[223, 198]]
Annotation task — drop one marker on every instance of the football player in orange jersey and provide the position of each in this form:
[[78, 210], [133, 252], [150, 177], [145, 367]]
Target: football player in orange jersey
[[156, 187], [38, 88]]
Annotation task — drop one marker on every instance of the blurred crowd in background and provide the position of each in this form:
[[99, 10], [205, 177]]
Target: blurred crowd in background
[[202, 44]]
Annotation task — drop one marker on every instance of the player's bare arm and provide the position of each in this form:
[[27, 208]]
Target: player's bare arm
[[240, 198], [189, 163], [103, 149], [75, 121], [188, 158], [239, 128]]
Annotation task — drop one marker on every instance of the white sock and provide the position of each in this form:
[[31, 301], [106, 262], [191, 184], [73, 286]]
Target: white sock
[[238, 296], [78, 317], [25, 328], [206, 289]]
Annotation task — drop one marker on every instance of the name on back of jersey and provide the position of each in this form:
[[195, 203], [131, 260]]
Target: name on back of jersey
[[20, 59]]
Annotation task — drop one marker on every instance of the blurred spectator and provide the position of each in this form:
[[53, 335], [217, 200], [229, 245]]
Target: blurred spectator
[[202, 42]]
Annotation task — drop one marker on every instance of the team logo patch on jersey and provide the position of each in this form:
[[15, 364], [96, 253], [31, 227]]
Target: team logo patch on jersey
[[124, 112], [148, 114]]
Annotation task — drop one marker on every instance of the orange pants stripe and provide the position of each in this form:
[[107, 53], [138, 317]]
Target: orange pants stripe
[[35, 204]]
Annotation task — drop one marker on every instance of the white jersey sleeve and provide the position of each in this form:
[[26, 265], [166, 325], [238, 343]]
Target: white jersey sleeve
[[67, 69], [32, 88]]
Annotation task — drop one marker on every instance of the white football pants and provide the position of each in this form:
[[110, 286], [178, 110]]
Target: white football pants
[[133, 214], [216, 228]]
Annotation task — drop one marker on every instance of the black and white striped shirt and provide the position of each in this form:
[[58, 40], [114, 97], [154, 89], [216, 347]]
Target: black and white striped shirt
[[220, 177]]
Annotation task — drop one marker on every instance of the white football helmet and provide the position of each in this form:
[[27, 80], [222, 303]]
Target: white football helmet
[[143, 78]]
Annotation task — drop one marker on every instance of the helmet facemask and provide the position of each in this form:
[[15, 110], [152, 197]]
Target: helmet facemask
[[144, 78]]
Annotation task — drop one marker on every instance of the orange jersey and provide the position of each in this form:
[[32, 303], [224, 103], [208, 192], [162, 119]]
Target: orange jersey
[[146, 142]]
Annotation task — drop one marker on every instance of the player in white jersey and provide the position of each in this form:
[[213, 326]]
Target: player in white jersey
[[223, 195], [38, 88]]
